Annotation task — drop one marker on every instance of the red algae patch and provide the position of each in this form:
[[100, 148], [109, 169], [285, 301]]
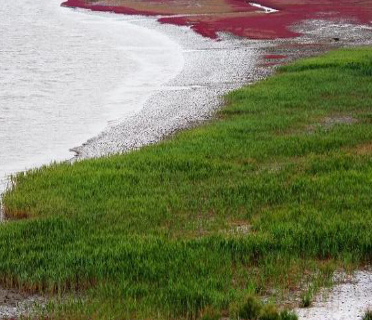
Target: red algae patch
[[274, 56], [237, 17]]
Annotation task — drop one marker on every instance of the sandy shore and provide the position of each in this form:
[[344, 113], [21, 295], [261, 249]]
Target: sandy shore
[[348, 300], [211, 69]]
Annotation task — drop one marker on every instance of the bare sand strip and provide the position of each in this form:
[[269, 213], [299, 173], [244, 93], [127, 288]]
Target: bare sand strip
[[349, 300], [14, 303]]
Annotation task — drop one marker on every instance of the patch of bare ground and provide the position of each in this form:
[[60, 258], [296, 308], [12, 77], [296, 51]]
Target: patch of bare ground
[[239, 228], [14, 303], [327, 123], [363, 149], [323, 123], [349, 299]]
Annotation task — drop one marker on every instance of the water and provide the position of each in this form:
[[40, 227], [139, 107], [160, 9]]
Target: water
[[66, 74]]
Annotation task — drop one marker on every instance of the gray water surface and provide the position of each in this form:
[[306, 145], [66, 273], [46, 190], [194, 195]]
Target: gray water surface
[[65, 75]]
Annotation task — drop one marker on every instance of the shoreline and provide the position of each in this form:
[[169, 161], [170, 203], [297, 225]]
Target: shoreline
[[131, 68], [211, 69]]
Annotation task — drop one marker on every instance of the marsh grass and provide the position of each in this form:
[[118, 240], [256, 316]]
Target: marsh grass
[[306, 300], [368, 315], [253, 309], [148, 234]]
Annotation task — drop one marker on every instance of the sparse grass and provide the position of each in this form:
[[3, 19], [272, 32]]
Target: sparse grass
[[250, 309], [306, 300], [368, 315], [210, 313], [148, 234], [253, 309], [286, 315]]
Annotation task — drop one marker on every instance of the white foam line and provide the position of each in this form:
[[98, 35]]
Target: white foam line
[[266, 9]]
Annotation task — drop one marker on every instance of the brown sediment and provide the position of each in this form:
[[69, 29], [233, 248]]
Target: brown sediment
[[269, 64], [363, 149], [14, 302], [238, 17]]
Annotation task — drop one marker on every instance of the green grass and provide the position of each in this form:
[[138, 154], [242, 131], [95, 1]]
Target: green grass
[[271, 196], [252, 309], [368, 315]]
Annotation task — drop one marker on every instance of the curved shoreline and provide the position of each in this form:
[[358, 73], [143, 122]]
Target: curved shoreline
[[211, 70], [93, 75]]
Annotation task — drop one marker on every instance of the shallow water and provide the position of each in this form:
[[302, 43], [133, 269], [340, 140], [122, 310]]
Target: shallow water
[[65, 75]]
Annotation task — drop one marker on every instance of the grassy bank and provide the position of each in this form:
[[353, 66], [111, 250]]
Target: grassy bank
[[276, 188]]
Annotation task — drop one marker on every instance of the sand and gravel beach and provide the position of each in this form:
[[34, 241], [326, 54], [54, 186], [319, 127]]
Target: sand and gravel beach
[[349, 299], [210, 70]]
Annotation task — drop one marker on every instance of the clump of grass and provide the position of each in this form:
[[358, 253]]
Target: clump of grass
[[254, 309], [251, 309], [368, 315], [306, 300], [148, 234], [287, 315], [210, 313], [269, 312]]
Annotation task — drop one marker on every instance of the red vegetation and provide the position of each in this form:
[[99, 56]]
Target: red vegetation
[[274, 56], [239, 18]]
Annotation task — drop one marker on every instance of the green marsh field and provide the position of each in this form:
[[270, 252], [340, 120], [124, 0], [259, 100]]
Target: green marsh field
[[267, 200]]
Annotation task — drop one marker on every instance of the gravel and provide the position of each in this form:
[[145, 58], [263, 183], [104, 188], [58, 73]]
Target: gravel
[[346, 301], [211, 69]]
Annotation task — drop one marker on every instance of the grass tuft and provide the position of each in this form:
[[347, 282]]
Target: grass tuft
[[368, 315], [306, 300], [269, 312], [251, 309], [210, 313], [287, 315]]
